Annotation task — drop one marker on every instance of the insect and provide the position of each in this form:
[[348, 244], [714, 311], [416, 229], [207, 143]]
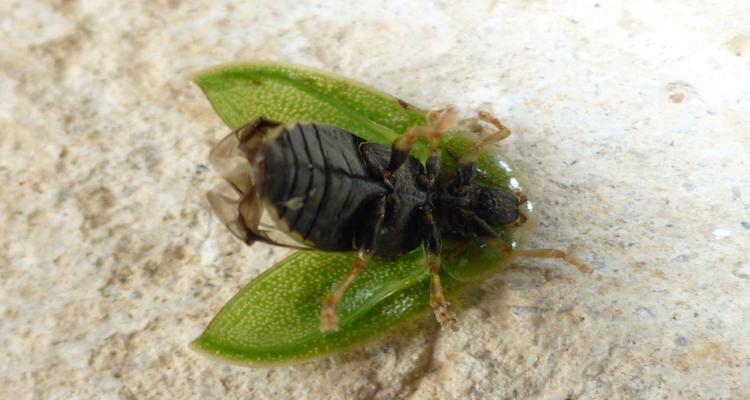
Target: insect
[[315, 186]]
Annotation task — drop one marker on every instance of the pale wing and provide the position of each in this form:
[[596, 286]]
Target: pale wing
[[249, 221], [230, 162], [228, 213], [241, 209]]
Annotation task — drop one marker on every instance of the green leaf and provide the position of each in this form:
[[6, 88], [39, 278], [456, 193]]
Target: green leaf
[[282, 92], [275, 318]]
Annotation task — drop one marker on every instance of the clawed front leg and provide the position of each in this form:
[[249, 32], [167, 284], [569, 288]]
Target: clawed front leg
[[500, 133], [466, 170], [440, 122]]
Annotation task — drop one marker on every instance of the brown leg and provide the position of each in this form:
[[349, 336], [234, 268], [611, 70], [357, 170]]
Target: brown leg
[[440, 122], [437, 298], [329, 319], [554, 253], [500, 133]]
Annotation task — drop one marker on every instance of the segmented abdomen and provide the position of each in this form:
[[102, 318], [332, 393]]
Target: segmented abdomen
[[315, 179]]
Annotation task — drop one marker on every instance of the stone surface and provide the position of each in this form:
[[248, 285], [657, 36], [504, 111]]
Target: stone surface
[[631, 123]]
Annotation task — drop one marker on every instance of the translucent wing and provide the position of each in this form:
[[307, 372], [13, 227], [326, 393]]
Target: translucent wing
[[238, 205], [229, 161]]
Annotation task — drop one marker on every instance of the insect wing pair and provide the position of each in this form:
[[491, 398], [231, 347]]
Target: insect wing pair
[[238, 204]]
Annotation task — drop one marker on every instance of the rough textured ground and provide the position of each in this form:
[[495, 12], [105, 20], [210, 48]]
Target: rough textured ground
[[631, 123]]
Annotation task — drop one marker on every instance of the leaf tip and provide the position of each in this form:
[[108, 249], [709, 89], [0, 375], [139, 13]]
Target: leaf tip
[[198, 345], [199, 77]]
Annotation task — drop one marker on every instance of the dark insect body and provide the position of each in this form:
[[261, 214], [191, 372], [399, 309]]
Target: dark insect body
[[314, 186]]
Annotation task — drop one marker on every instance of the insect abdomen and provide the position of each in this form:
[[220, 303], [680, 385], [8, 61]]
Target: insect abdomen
[[317, 182]]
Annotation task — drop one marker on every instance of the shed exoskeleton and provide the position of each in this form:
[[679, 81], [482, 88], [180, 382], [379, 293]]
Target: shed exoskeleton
[[314, 186]]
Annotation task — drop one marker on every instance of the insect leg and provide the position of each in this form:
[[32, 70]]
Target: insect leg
[[329, 319], [439, 123], [467, 163], [554, 253], [502, 132], [437, 298]]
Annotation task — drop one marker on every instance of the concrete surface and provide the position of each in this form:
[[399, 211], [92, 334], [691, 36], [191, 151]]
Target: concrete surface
[[630, 120]]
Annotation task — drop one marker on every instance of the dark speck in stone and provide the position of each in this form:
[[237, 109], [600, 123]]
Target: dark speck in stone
[[745, 224]]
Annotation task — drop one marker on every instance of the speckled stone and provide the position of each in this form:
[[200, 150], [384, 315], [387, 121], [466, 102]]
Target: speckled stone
[[631, 121]]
